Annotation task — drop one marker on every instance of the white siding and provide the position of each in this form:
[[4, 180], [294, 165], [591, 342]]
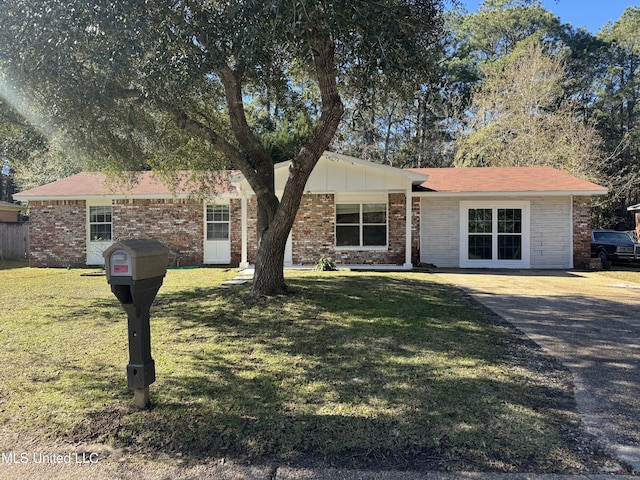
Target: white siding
[[440, 231], [331, 175], [551, 235], [550, 230]]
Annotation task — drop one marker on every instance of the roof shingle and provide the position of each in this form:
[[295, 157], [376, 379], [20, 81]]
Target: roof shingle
[[504, 180]]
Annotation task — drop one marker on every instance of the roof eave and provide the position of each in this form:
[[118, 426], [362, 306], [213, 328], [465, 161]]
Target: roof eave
[[535, 193], [158, 196]]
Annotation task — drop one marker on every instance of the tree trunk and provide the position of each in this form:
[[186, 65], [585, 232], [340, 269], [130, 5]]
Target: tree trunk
[[268, 278]]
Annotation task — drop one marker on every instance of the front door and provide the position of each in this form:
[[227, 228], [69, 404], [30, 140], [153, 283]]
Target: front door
[[99, 231], [217, 244]]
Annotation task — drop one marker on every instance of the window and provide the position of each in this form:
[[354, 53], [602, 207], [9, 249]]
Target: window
[[480, 237], [509, 234], [100, 223], [494, 234], [217, 222], [361, 224]]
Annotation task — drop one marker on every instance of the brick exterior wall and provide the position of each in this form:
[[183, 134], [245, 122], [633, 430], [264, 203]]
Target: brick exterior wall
[[178, 223], [415, 231], [313, 231], [581, 231], [58, 230], [235, 230], [57, 233], [313, 234]]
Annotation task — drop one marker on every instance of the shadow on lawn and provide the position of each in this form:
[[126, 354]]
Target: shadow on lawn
[[351, 372]]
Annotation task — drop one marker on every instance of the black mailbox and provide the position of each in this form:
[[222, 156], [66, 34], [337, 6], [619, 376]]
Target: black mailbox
[[135, 270]]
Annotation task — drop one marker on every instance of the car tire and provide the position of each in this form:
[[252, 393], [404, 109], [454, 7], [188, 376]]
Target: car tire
[[606, 263]]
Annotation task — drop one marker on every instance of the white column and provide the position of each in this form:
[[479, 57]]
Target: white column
[[244, 263]]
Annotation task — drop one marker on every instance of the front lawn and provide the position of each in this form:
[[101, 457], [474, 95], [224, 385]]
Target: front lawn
[[379, 370]]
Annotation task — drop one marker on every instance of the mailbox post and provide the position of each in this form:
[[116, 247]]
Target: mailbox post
[[135, 270]]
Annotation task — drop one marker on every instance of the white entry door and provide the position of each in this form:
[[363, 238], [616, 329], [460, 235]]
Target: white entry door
[[99, 231], [217, 244]]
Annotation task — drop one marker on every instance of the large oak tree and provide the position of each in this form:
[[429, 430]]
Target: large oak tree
[[188, 83]]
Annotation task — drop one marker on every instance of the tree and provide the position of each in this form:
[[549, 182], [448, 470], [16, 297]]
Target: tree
[[616, 109], [119, 70], [520, 117]]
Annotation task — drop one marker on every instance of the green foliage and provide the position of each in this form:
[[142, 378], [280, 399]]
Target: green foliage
[[325, 264], [521, 117]]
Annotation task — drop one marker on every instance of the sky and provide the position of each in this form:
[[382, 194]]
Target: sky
[[591, 14]]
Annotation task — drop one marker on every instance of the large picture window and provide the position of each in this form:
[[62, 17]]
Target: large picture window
[[494, 234], [361, 224], [100, 225]]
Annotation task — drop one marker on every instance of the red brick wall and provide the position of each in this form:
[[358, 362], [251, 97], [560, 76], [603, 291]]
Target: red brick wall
[[581, 230], [313, 233], [57, 233], [178, 223], [415, 231], [235, 230]]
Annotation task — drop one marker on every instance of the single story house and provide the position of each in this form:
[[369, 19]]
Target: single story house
[[359, 213], [10, 212]]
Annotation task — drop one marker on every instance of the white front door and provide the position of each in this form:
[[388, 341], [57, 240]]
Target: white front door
[[217, 244], [99, 230]]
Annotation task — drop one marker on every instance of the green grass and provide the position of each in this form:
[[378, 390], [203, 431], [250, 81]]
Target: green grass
[[392, 370], [628, 274]]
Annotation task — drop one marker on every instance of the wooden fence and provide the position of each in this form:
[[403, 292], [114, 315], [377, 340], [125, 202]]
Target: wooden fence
[[14, 241]]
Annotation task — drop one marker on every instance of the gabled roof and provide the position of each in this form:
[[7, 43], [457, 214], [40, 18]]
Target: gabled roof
[[429, 181], [504, 180], [99, 185]]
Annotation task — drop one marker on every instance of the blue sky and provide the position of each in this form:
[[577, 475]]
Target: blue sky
[[591, 14]]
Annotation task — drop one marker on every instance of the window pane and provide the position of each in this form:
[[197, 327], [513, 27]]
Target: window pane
[[100, 232], [480, 247], [217, 213], [100, 214], [480, 220], [347, 236], [509, 220], [374, 235], [509, 247], [218, 231], [346, 213], [374, 213]]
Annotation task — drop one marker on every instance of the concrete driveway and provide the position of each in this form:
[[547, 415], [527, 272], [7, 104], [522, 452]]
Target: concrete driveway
[[591, 323]]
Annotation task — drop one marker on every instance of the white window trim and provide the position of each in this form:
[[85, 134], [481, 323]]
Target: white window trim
[[228, 222], [98, 203], [355, 199], [525, 262]]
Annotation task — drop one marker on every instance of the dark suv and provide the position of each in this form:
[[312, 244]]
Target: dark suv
[[608, 245]]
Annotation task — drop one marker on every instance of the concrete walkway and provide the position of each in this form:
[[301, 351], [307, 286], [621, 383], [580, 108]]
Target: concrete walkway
[[591, 323]]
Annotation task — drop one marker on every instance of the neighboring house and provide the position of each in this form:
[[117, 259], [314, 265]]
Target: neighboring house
[[9, 212], [360, 213]]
